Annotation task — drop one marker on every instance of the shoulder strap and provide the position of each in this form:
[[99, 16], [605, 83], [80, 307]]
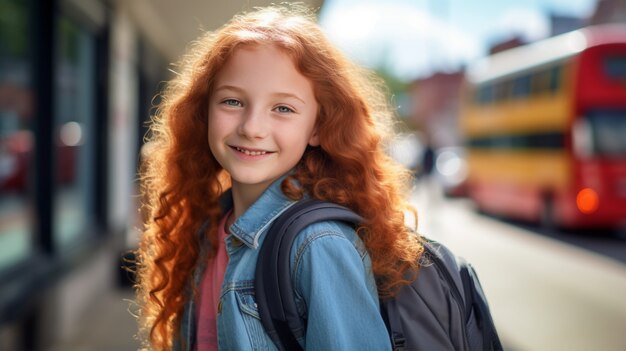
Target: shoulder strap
[[476, 300], [274, 290]]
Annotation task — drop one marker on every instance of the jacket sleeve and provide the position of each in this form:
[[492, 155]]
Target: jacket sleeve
[[335, 284]]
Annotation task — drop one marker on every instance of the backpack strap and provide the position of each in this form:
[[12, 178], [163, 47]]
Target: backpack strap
[[273, 285], [475, 300]]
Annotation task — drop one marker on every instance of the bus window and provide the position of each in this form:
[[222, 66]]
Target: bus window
[[485, 94], [615, 67], [547, 140], [502, 90], [609, 128], [555, 79], [540, 82], [521, 86]]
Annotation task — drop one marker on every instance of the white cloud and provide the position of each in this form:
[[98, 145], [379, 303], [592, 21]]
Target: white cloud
[[408, 41]]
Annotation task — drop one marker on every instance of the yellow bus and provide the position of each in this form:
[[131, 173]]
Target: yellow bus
[[545, 130]]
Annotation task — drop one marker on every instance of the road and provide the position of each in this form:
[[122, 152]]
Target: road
[[564, 291]]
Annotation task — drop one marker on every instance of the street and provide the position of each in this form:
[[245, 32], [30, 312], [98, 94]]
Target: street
[[556, 291]]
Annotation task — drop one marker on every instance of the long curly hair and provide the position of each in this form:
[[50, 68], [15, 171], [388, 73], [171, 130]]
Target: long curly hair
[[182, 181]]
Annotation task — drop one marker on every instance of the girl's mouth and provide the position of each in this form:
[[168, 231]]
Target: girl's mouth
[[251, 152]]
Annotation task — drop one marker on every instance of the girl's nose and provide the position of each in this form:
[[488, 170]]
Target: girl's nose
[[254, 125]]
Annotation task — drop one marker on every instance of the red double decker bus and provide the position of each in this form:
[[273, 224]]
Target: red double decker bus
[[545, 129]]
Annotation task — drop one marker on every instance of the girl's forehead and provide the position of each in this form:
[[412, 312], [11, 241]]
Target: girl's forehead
[[263, 69], [258, 57]]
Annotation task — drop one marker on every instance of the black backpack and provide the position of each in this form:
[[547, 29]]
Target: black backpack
[[443, 309]]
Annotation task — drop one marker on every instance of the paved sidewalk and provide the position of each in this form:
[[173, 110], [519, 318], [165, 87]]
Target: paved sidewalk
[[107, 326]]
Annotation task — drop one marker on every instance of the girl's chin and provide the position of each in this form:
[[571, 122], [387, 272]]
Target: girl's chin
[[250, 180]]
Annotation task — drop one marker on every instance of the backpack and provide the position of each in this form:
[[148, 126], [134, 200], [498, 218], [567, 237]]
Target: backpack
[[443, 309]]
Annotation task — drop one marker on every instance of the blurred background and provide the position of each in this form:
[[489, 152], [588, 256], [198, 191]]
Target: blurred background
[[512, 115]]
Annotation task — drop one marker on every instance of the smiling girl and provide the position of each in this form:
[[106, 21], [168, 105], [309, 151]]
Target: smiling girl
[[265, 112]]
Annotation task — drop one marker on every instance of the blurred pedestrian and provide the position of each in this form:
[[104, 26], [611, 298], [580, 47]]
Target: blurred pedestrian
[[265, 112], [428, 161]]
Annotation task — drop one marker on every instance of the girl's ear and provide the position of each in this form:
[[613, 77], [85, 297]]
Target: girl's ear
[[314, 140]]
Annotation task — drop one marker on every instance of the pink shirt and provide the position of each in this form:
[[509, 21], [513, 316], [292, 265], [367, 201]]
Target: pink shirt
[[206, 335]]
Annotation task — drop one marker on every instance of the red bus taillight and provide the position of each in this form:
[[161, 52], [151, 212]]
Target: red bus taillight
[[587, 200]]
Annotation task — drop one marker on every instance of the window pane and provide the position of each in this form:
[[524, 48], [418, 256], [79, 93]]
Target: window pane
[[16, 136], [541, 82], [555, 79], [485, 93], [74, 101], [521, 86], [609, 128], [615, 67]]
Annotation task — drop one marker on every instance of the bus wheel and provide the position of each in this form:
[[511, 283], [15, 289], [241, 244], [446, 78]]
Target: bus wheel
[[547, 220]]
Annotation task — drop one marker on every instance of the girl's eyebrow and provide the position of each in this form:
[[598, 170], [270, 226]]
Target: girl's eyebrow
[[277, 94], [289, 95], [229, 87]]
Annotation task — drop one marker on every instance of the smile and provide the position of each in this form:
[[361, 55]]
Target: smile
[[250, 152]]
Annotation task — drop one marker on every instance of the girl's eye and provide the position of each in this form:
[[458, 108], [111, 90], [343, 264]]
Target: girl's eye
[[284, 109], [232, 102]]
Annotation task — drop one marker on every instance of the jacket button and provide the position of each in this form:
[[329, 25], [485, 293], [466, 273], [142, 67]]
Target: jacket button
[[219, 307], [236, 242]]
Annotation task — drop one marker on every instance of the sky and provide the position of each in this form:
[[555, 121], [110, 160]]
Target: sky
[[414, 38]]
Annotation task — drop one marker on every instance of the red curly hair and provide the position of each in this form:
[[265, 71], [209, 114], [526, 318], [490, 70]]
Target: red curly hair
[[182, 181]]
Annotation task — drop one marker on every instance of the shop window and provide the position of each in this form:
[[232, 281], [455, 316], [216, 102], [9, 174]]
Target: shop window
[[16, 133], [73, 134]]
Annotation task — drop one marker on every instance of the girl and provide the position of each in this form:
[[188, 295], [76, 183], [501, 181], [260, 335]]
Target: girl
[[263, 113]]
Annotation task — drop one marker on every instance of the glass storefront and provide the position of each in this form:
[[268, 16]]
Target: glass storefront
[[72, 134], [73, 138], [16, 132]]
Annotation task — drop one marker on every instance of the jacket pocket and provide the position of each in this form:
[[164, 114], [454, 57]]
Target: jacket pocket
[[247, 303], [259, 339]]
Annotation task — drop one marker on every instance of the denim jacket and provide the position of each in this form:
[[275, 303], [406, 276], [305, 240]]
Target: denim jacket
[[334, 286]]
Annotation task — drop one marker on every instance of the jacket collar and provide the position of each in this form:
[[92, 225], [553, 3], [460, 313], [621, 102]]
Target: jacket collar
[[257, 219]]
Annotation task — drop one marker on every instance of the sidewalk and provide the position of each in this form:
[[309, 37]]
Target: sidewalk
[[107, 326]]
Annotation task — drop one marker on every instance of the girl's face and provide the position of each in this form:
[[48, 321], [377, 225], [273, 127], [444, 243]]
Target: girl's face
[[262, 115]]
